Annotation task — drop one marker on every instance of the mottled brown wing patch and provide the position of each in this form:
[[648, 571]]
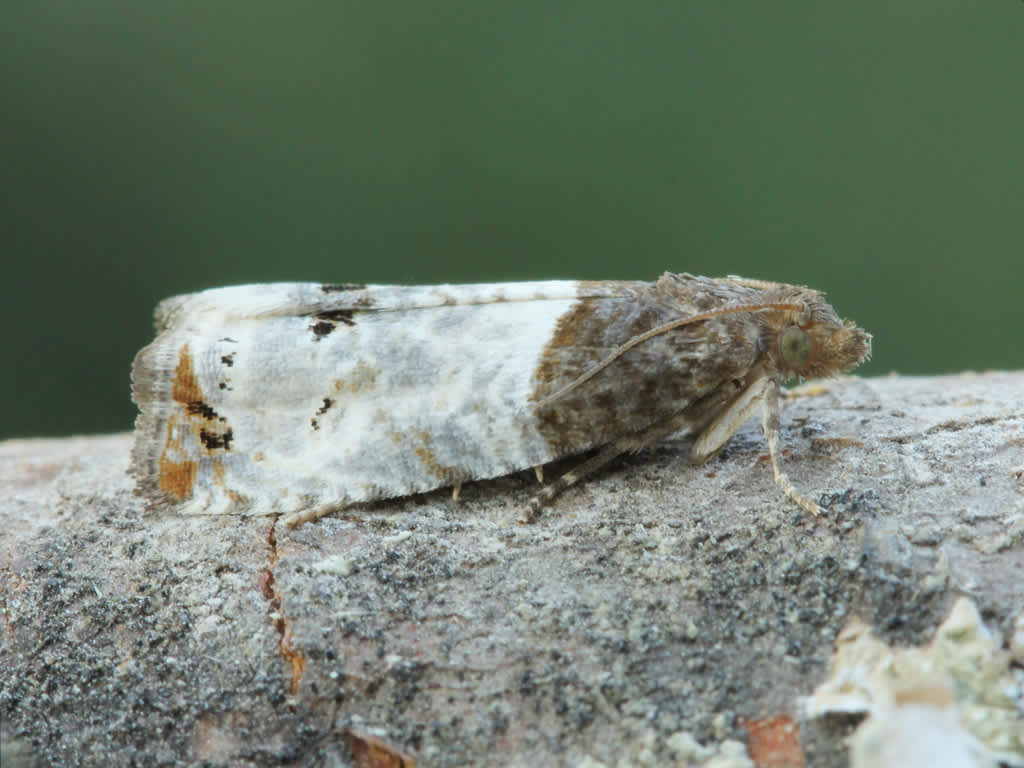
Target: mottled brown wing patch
[[644, 385]]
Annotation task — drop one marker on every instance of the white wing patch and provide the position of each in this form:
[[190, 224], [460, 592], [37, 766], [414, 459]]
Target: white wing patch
[[247, 406]]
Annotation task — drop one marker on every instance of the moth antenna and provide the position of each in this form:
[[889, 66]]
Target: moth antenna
[[658, 331], [749, 282]]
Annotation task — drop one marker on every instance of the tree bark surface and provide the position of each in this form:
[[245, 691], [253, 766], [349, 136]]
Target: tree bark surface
[[654, 603]]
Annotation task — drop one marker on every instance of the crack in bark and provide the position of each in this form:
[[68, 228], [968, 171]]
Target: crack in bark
[[295, 658]]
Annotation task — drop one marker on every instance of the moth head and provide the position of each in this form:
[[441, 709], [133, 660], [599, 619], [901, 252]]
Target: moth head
[[805, 338]]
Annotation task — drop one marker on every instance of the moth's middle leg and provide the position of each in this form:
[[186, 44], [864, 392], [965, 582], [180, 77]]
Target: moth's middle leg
[[695, 418], [630, 443]]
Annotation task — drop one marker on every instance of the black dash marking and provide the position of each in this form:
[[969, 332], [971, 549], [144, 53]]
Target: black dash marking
[[213, 441], [341, 287], [223, 385], [327, 321], [345, 316], [199, 408], [315, 422], [321, 329], [228, 360]]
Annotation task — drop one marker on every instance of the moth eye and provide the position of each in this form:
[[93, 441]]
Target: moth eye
[[795, 347]]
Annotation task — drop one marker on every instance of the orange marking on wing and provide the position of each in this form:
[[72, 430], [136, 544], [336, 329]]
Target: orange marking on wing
[[185, 387], [177, 478], [177, 474]]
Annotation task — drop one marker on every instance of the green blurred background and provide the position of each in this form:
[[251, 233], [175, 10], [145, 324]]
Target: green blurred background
[[873, 149]]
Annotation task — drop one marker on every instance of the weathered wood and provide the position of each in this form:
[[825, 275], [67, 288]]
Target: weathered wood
[[656, 602]]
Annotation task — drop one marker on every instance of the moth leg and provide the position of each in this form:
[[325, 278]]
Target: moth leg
[[728, 422], [456, 491], [539, 472], [309, 515], [549, 491], [633, 442], [770, 425]]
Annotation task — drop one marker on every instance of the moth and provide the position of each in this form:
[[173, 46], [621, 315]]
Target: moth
[[300, 399]]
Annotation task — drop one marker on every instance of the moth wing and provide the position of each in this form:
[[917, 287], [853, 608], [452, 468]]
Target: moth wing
[[276, 398]]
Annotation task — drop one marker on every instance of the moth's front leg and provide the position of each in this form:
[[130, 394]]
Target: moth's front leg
[[770, 426], [766, 392], [729, 420]]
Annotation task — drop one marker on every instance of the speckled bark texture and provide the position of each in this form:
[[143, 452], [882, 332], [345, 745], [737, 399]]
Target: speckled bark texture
[[657, 602]]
